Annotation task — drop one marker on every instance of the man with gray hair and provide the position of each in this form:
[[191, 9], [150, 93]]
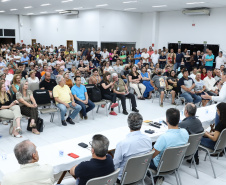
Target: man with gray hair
[[100, 165], [122, 93], [192, 124], [30, 171], [64, 99], [134, 144]]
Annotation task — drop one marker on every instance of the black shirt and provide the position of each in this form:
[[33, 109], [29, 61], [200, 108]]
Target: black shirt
[[94, 168], [98, 56], [48, 85], [6, 103], [220, 127], [174, 79], [134, 77], [104, 91]]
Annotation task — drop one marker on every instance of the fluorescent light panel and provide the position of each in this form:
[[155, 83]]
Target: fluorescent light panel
[[195, 3], [78, 8], [1, 11], [30, 13], [13, 9], [59, 10], [130, 9], [159, 6], [66, 1], [47, 4], [4, 1], [126, 2], [101, 5], [28, 7], [43, 12]]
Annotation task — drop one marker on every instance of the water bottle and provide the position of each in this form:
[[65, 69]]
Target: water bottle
[[61, 153]]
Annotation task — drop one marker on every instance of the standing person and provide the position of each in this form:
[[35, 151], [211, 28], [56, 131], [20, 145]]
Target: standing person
[[162, 60], [28, 105], [209, 60], [220, 60], [135, 82], [111, 54], [97, 59], [187, 58], [179, 59], [137, 57], [198, 63], [64, 99], [145, 57], [114, 57], [81, 97], [10, 110], [171, 58], [146, 81], [155, 57], [123, 57], [106, 88]]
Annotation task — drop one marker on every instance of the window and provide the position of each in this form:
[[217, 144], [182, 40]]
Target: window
[[113, 45], [9, 32], [1, 32], [86, 44]]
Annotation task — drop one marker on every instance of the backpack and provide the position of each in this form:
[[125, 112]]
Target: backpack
[[42, 97], [94, 93]]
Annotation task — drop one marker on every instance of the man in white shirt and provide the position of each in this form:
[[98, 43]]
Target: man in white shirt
[[209, 83], [145, 56], [134, 144], [28, 49], [41, 60], [194, 72], [220, 60], [155, 57], [17, 57], [118, 68], [218, 75], [105, 55], [30, 171]]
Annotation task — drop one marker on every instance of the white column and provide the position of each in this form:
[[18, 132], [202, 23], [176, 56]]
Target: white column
[[155, 29], [20, 24]]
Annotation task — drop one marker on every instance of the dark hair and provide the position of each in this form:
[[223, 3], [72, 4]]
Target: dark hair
[[95, 70], [224, 71], [222, 109], [77, 77], [20, 64], [173, 116], [194, 68], [171, 74], [100, 145], [210, 70], [105, 76], [185, 70]]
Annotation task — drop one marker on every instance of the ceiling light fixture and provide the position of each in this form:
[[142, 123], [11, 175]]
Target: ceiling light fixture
[[195, 3], [66, 1], [13, 9], [30, 13], [78, 8], [59, 10], [130, 9], [1, 11], [101, 5], [4, 1], [28, 7], [45, 4], [126, 2], [159, 6]]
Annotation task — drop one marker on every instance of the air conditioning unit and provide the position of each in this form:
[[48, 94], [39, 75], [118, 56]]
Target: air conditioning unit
[[69, 12], [200, 11]]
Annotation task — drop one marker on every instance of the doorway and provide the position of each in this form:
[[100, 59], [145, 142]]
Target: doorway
[[33, 42], [70, 44]]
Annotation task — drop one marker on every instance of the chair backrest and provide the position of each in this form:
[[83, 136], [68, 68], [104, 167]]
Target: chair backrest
[[172, 158], [33, 86], [221, 142], [136, 168], [105, 180], [194, 141]]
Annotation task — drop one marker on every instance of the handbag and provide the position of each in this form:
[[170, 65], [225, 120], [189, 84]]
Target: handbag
[[39, 125]]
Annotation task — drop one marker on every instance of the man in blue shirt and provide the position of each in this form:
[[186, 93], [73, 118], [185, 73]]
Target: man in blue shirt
[[81, 97], [137, 57], [173, 137], [179, 59], [24, 60], [134, 144], [209, 60]]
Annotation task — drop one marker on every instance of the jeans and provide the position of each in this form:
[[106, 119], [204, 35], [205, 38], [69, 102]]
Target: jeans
[[176, 65], [152, 165], [208, 68], [162, 65], [123, 100], [85, 109], [125, 81], [205, 141], [111, 97], [63, 110], [189, 97]]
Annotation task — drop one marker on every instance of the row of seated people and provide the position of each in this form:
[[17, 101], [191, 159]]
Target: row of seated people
[[136, 143]]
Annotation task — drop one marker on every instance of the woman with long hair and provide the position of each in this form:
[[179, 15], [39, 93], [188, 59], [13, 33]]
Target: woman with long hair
[[203, 73], [10, 110], [146, 81], [28, 105], [106, 90], [16, 85], [95, 77]]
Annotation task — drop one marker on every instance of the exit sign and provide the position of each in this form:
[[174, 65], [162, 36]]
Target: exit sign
[[193, 24]]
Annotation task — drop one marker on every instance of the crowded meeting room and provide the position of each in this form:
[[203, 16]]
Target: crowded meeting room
[[112, 92]]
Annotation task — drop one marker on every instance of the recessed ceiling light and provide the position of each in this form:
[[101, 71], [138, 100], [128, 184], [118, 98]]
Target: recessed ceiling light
[[59, 10], [4, 1], [101, 5], [1, 11], [129, 2], [130, 9], [66, 1], [78, 8], [196, 3], [159, 6], [30, 13], [45, 4], [43, 12], [28, 7], [13, 9]]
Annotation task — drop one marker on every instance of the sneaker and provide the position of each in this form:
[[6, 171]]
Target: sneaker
[[113, 113], [80, 114], [125, 112], [64, 123], [85, 117], [69, 120], [135, 109], [174, 103], [159, 181], [114, 105], [161, 105], [141, 98]]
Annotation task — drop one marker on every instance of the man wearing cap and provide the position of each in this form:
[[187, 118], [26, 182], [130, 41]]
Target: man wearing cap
[[134, 144]]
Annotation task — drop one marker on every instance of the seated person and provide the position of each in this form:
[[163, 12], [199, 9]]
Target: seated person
[[192, 124], [68, 81], [48, 84], [209, 82], [83, 80], [100, 165], [159, 83], [187, 86], [209, 140], [121, 90], [95, 77], [173, 137], [124, 73], [64, 99], [108, 68], [81, 97], [118, 68], [33, 78], [30, 171], [218, 75], [106, 88], [57, 69], [50, 70], [146, 81], [172, 81], [28, 105], [134, 144]]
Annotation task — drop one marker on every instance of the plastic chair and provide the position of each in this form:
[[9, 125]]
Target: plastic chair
[[170, 162], [218, 148], [33, 86], [105, 180], [194, 141], [136, 168]]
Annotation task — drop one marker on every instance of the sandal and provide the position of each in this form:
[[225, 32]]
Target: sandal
[[36, 132], [17, 136], [32, 125], [18, 129]]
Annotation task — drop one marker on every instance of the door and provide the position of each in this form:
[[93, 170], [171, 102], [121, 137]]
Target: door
[[33, 42], [70, 44]]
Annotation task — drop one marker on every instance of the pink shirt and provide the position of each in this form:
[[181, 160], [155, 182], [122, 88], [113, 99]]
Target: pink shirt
[[61, 64]]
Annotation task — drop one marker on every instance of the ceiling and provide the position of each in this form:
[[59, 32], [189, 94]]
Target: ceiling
[[140, 5]]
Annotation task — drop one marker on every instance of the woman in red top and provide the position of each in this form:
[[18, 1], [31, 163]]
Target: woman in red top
[[203, 73]]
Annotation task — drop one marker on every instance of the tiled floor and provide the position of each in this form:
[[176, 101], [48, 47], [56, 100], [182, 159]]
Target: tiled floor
[[54, 132]]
